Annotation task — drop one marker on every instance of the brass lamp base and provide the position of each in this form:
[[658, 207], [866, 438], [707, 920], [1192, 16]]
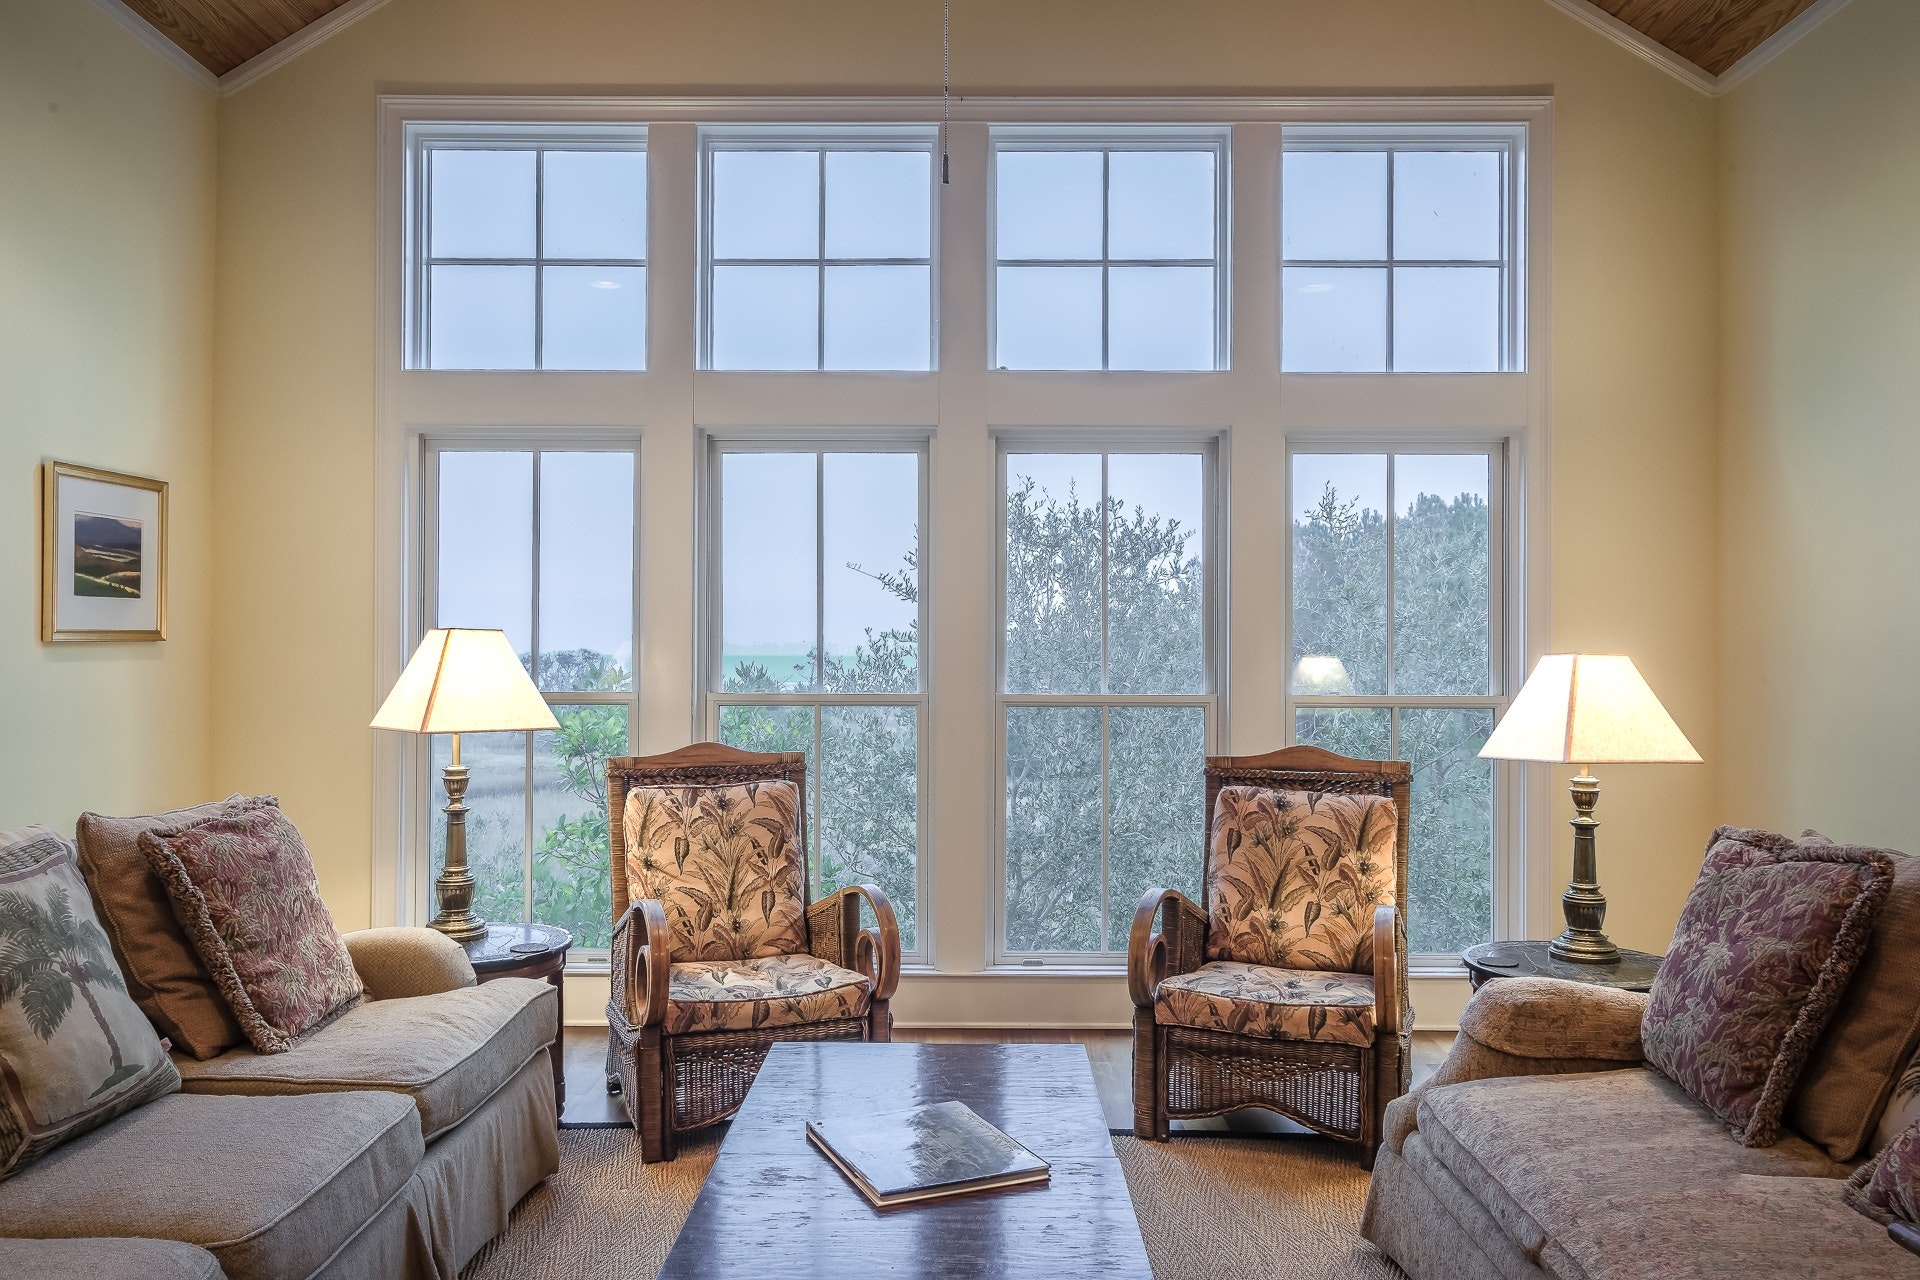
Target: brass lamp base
[[1583, 903], [453, 887]]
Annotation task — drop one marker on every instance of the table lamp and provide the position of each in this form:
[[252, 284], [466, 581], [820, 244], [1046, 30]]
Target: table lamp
[[462, 680], [1587, 709]]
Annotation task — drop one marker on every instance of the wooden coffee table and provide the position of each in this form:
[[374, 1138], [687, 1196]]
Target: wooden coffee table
[[774, 1206]]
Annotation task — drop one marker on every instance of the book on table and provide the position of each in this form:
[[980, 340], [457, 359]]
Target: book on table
[[945, 1149]]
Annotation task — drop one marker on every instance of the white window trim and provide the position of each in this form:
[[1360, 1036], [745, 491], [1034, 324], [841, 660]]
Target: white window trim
[[821, 138], [1108, 138], [1263, 406], [709, 624]]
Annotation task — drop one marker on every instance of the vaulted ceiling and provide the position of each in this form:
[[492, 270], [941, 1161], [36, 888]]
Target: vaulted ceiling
[[1711, 34]]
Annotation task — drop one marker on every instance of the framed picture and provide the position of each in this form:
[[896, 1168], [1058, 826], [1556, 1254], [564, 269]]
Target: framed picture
[[103, 555]]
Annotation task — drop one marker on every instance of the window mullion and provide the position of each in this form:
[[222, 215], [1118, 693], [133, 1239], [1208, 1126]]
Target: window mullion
[[1392, 574], [820, 276], [539, 254]]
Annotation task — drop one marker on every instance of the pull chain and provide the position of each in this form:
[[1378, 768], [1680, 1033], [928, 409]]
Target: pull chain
[[945, 83]]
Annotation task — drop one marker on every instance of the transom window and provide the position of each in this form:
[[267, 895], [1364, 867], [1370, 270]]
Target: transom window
[[539, 542], [530, 249], [1398, 250], [819, 249], [1395, 625], [1108, 249], [1107, 678], [815, 646]]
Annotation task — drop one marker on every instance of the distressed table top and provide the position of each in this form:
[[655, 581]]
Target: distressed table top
[[775, 1207]]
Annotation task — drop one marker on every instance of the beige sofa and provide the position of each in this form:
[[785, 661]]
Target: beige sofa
[[390, 1143], [1543, 1150]]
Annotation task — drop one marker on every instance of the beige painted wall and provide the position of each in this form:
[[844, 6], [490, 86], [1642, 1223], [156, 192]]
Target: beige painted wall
[[1633, 324], [1820, 445], [106, 322]]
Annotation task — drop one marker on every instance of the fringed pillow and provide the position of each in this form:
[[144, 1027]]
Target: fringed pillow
[[1887, 1187]]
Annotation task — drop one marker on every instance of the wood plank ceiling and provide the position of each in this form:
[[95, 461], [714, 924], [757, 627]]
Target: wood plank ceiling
[[222, 34]]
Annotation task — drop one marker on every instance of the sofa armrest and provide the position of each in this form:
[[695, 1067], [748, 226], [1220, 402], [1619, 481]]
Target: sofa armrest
[[1555, 1019], [408, 962]]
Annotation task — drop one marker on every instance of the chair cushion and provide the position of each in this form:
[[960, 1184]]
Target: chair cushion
[[269, 1186], [448, 1052], [1887, 1187], [1293, 877], [724, 862], [1274, 1004], [1760, 958], [769, 991], [164, 974], [75, 1050], [245, 892], [106, 1258]]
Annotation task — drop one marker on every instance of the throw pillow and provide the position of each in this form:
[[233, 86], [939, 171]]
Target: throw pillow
[[244, 890], [164, 975], [1903, 1107], [75, 1051], [1762, 953], [724, 863], [1293, 877], [1852, 1072], [1887, 1187]]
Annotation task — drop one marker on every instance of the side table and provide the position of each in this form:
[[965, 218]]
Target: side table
[[528, 951], [1633, 971]]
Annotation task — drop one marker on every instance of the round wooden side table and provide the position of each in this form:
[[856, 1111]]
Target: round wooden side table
[[1633, 971], [528, 951]]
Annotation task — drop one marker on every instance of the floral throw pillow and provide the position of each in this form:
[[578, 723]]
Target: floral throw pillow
[[1759, 961], [243, 888], [1887, 1187], [1293, 877], [724, 863], [75, 1051]]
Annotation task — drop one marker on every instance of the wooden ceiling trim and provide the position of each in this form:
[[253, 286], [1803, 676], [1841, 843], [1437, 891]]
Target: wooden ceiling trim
[[1711, 34]]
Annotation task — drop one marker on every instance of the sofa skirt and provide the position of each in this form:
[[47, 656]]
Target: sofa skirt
[[1410, 1222]]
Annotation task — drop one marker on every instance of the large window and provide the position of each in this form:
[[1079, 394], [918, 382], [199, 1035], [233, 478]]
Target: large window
[[819, 249], [1107, 673], [1395, 619], [539, 543], [1399, 250], [1108, 249], [816, 647], [531, 249]]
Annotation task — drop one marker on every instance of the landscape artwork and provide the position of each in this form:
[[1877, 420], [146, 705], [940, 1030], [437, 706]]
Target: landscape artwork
[[106, 556]]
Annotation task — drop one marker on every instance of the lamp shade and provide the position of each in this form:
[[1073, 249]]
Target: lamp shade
[[1588, 709], [463, 680]]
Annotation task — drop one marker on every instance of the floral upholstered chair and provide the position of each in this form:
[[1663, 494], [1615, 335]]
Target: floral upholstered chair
[[717, 951], [1285, 987]]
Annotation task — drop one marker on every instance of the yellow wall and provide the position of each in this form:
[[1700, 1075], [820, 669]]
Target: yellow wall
[[1633, 322], [106, 321], [1820, 446]]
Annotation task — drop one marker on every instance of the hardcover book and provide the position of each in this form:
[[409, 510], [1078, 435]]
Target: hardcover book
[[898, 1157]]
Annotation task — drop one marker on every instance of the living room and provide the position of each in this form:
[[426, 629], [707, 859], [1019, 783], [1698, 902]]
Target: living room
[[1008, 408]]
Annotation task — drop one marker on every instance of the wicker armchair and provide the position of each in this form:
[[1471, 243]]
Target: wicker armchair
[[1325, 1038], [717, 951]]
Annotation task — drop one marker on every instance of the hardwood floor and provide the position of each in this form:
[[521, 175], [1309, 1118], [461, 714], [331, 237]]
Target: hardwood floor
[[588, 1102]]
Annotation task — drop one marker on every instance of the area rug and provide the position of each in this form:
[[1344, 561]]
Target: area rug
[[1219, 1208]]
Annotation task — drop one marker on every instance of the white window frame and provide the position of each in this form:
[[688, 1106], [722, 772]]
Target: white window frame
[[711, 628], [432, 446], [1106, 139], [1500, 626], [814, 138], [1103, 444], [421, 139], [1509, 141]]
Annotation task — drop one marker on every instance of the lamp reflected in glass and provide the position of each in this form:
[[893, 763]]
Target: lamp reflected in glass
[[1321, 674]]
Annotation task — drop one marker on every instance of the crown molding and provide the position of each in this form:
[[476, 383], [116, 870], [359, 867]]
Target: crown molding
[[149, 35], [1777, 43], [314, 33], [1646, 47]]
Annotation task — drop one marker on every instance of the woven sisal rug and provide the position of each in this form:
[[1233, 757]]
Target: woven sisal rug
[[1218, 1208]]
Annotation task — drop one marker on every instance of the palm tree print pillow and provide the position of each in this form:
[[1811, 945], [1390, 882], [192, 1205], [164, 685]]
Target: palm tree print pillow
[[75, 1051], [1293, 877], [724, 863], [244, 890]]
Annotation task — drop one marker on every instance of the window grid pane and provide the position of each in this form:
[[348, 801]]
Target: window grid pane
[[535, 258]]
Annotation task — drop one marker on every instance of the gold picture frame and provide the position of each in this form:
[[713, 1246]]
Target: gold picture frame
[[103, 555]]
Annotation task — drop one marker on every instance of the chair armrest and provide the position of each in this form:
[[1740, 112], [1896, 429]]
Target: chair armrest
[[1386, 970], [398, 962], [834, 935], [642, 958], [1178, 946], [1552, 1018]]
